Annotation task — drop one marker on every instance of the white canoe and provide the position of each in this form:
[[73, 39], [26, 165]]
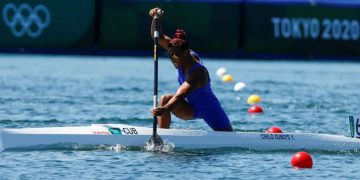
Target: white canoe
[[115, 134]]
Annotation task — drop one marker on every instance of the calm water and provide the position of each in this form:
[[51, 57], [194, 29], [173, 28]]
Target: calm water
[[40, 91]]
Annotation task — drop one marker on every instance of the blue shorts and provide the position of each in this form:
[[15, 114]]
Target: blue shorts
[[214, 117]]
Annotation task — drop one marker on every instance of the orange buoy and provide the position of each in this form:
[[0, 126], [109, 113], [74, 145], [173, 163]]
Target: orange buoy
[[255, 109], [274, 129], [301, 160]]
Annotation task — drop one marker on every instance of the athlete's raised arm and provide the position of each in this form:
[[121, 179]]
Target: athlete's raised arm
[[163, 39]]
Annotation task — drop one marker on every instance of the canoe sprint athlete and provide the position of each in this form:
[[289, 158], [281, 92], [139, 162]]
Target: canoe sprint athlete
[[194, 98]]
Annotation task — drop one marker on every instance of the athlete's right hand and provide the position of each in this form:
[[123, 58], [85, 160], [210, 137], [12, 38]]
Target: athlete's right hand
[[154, 11], [158, 111]]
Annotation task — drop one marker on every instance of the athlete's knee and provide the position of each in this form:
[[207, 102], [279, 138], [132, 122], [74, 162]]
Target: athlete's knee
[[165, 99]]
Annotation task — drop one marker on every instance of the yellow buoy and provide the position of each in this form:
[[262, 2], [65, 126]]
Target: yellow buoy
[[227, 78], [253, 99]]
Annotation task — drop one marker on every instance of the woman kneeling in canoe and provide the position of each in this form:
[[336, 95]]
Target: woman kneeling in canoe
[[194, 98]]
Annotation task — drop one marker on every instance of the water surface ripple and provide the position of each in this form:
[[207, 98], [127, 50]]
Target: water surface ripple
[[41, 91]]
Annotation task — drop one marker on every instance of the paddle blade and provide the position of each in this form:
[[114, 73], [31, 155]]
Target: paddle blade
[[156, 140], [154, 144]]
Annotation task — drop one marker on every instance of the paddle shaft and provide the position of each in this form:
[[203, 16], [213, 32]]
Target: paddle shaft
[[155, 99]]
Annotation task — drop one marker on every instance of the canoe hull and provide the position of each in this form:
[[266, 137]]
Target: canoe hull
[[119, 134]]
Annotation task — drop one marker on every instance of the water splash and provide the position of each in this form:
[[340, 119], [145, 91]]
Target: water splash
[[79, 147], [165, 148], [116, 148]]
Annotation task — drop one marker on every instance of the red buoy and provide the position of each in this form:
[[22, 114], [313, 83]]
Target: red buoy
[[301, 160], [255, 109], [274, 129]]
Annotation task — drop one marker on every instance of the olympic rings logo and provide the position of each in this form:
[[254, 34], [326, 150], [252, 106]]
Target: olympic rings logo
[[26, 20]]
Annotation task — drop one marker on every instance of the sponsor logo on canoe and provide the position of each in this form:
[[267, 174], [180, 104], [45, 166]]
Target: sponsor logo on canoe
[[277, 136], [101, 132], [129, 131], [115, 131]]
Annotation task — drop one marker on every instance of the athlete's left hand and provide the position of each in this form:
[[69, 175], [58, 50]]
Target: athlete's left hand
[[156, 11], [158, 111]]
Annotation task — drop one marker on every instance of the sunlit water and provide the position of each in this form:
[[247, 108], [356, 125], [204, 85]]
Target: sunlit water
[[41, 91]]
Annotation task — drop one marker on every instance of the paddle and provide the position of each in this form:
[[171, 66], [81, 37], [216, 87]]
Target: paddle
[[155, 138]]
